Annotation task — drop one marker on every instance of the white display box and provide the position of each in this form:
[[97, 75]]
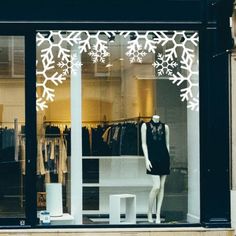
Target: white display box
[[115, 208]]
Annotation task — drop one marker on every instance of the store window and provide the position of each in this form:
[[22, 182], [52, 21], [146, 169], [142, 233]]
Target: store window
[[118, 127], [12, 123]]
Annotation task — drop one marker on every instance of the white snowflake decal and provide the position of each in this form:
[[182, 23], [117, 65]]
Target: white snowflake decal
[[194, 104], [47, 81], [73, 65], [54, 44], [183, 48], [135, 52], [99, 50], [40, 103], [179, 49], [186, 93], [180, 45], [164, 66], [99, 53], [139, 45]]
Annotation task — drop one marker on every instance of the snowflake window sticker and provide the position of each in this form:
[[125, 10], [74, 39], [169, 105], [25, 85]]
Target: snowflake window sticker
[[180, 46], [164, 66], [73, 65], [177, 62]]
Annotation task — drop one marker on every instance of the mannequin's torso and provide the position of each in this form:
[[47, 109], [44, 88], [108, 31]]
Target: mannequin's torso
[[155, 145], [158, 180]]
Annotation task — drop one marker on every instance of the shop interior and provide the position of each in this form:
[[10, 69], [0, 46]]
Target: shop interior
[[114, 93]]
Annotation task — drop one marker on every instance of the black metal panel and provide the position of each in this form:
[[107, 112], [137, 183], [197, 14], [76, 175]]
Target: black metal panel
[[122, 10], [30, 128], [215, 189], [217, 8], [214, 111]]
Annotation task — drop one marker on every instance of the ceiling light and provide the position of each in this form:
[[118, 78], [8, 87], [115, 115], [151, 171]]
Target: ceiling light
[[109, 65]]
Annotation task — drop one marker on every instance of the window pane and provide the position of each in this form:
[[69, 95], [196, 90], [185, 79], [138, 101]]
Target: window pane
[[12, 121], [119, 103]]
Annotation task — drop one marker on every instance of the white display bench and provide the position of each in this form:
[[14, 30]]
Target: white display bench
[[115, 208]]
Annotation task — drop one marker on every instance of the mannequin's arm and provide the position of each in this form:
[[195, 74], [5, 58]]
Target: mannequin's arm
[[144, 146], [167, 131]]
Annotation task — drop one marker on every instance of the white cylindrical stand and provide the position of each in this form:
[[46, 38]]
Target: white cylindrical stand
[[54, 199]]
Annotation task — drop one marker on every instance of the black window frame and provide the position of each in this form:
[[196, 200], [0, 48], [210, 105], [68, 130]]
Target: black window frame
[[212, 79]]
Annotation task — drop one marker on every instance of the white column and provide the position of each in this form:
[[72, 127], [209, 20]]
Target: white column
[[76, 141], [193, 150], [193, 167]]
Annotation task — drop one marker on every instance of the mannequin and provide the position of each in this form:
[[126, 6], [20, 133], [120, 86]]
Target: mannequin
[[158, 170]]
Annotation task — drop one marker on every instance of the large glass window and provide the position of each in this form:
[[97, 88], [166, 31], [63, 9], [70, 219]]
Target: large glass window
[[12, 120], [118, 127]]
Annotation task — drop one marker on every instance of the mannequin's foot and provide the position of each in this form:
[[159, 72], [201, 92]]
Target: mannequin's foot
[[158, 219], [149, 216]]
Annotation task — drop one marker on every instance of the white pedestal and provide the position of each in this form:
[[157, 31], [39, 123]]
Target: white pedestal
[[115, 208], [65, 219], [54, 199]]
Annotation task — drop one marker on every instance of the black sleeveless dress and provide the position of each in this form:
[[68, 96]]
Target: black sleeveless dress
[[157, 150]]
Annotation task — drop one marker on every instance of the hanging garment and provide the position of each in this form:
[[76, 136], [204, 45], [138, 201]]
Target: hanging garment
[[129, 139], [85, 142], [7, 145], [67, 136], [62, 165], [157, 150], [52, 159]]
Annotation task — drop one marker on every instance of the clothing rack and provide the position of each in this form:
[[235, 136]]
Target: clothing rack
[[57, 122], [103, 122], [137, 118], [10, 122]]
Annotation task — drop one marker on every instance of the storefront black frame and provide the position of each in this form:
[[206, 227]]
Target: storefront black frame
[[214, 154]]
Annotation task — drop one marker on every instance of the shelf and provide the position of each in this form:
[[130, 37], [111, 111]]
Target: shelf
[[112, 157], [103, 212], [110, 184]]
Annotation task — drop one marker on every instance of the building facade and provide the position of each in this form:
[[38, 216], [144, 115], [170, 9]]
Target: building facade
[[88, 93]]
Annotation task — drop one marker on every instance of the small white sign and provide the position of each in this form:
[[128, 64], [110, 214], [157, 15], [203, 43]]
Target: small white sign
[[45, 217]]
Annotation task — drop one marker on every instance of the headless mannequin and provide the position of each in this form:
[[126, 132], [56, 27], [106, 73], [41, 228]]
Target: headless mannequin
[[157, 190]]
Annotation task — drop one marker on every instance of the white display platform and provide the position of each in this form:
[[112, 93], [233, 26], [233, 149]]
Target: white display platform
[[115, 208], [65, 219]]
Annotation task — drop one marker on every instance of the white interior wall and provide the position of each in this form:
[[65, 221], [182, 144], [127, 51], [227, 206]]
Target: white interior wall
[[12, 101]]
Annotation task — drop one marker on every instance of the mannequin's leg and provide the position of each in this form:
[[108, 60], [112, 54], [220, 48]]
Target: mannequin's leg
[[152, 195], [160, 198]]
